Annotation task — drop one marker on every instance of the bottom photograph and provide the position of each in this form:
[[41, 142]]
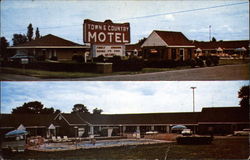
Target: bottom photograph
[[124, 120]]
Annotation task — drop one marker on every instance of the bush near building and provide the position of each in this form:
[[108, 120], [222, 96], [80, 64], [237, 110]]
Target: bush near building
[[165, 63]]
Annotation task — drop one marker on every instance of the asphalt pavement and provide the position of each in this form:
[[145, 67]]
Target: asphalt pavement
[[216, 73]]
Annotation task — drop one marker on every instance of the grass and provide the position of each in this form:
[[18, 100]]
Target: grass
[[223, 148], [51, 74]]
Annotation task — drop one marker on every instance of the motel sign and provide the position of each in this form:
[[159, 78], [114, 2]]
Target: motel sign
[[106, 32]]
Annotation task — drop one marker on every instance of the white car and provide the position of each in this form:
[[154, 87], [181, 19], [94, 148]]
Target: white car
[[185, 132], [244, 132]]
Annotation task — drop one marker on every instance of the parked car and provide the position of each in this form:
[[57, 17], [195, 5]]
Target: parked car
[[186, 132], [19, 57], [244, 132]]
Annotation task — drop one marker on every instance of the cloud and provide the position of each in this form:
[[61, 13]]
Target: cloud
[[122, 97], [169, 17]]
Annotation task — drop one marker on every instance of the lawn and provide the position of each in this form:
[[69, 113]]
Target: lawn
[[221, 148], [50, 74]]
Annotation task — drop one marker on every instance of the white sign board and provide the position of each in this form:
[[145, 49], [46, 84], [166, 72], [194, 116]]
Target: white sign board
[[24, 61], [108, 51]]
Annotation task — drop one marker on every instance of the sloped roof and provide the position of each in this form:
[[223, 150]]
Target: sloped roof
[[149, 118], [14, 120], [174, 38], [74, 119], [49, 40], [222, 44], [224, 114], [132, 47]]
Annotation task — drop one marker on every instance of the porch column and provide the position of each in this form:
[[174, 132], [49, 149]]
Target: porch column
[[34, 52], [167, 129], [152, 128], [91, 130], [123, 129], [100, 128], [137, 128]]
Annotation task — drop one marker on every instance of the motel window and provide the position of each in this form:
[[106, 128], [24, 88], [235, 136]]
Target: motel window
[[190, 53], [173, 54]]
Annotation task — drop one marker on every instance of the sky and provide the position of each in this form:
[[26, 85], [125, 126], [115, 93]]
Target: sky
[[122, 96], [229, 20]]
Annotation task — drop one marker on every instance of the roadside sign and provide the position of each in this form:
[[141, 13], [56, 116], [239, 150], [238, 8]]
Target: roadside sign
[[106, 32], [108, 50], [24, 61]]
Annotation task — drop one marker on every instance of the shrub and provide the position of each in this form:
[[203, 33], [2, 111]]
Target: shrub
[[208, 62], [100, 58], [193, 63], [200, 62], [41, 58], [78, 58], [54, 58], [132, 64], [215, 60]]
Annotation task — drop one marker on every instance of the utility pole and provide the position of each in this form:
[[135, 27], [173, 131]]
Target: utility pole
[[193, 88], [210, 33]]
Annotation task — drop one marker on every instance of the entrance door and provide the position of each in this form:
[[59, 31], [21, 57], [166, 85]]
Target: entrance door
[[182, 55]]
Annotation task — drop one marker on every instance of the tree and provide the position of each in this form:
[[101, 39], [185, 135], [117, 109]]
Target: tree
[[30, 32], [34, 107], [80, 108], [243, 94], [19, 39], [97, 111], [37, 33], [213, 39], [4, 44], [141, 41]]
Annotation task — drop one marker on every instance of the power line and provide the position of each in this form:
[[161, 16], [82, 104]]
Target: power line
[[184, 11]]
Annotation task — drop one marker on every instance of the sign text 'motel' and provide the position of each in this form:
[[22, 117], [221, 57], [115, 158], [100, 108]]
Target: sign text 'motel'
[[106, 32]]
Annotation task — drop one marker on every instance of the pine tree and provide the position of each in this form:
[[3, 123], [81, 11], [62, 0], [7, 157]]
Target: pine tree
[[30, 32], [37, 33]]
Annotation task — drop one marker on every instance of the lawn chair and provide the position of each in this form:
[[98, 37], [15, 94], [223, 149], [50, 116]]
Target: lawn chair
[[54, 139], [65, 139], [59, 139]]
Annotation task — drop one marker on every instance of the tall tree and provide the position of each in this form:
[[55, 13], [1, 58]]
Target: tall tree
[[213, 39], [30, 32], [34, 107], [3, 47], [80, 108], [97, 111], [19, 39], [243, 94], [37, 33]]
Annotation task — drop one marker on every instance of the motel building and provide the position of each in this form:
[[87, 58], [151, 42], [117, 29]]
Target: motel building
[[50, 46], [167, 45], [223, 49], [223, 120]]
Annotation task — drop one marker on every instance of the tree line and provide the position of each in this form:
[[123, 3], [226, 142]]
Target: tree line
[[36, 107], [19, 39]]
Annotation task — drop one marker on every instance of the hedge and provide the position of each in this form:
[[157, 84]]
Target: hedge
[[59, 67], [165, 63], [194, 140], [121, 65]]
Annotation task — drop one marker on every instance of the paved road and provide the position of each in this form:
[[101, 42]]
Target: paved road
[[226, 72]]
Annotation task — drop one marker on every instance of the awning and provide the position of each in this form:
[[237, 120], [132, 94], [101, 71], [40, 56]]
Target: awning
[[21, 127], [219, 49], [52, 126], [16, 133]]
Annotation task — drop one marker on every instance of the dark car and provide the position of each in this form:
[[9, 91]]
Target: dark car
[[21, 58]]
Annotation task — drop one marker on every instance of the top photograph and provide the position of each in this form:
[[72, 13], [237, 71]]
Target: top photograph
[[124, 40]]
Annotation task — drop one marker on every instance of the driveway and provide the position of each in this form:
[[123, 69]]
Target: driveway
[[226, 72]]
